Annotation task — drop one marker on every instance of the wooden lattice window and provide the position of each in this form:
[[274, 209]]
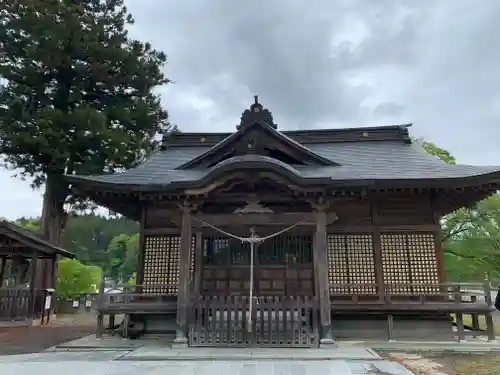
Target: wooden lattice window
[[161, 264], [409, 259], [351, 261]]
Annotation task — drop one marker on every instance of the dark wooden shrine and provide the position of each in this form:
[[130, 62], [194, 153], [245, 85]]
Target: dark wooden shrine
[[359, 210], [21, 254]]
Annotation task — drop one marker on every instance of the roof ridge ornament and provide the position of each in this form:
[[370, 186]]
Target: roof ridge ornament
[[256, 113]]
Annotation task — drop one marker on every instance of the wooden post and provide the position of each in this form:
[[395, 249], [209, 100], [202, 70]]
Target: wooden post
[[2, 269], [184, 275], [53, 275], [377, 253], [490, 327], [100, 305], [142, 242], [198, 266], [320, 256], [33, 288]]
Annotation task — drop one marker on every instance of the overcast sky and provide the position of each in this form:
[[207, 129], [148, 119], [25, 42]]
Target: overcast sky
[[324, 64]]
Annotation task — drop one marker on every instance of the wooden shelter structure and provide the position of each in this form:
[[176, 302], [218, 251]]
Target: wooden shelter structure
[[291, 238], [21, 252]]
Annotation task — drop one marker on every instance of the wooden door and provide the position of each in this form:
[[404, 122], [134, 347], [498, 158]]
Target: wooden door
[[283, 266]]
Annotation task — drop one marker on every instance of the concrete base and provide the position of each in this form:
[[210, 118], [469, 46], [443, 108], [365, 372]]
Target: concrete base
[[327, 344], [179, 344], [148, 353], [431, 330]]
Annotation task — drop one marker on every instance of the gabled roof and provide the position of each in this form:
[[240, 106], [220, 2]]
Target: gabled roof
[[242, 130], [359, 162], [381, 156], [31, 240]]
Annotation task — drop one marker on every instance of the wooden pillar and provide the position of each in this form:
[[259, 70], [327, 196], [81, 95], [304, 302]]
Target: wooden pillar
[[198, 265], [53, 270], [33, 287], [377, 252], [184, 275], [141, 251], [100, 306], [2, 269], [438, 241], [321, 271]]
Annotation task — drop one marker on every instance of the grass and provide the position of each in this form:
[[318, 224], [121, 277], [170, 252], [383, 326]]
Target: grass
[[467, 364], [448, 363]]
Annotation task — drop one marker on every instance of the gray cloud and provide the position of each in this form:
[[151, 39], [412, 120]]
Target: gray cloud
[[327, 63]]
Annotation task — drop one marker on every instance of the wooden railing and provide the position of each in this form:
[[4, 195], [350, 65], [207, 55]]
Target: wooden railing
[[401, 296], [446, 297], [460, 299], [133, 299], [136, 299], [14, 303]]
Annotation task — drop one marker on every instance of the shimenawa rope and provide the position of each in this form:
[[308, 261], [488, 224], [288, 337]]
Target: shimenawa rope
[[252, 240]]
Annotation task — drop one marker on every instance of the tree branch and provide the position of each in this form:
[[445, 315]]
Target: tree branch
[[461, 255]]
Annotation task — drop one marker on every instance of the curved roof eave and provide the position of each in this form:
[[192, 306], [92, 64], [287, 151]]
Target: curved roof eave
[[288, 173]]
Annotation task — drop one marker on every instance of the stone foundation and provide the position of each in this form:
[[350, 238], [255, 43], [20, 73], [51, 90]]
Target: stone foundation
[[403, 329], [410, 327], [159, 324]]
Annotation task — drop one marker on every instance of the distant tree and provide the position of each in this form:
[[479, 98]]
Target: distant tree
[[439, 152], [75, 278], [117, 251], [129, 266], [88, 236], [133, 279], [77, 96], [122, 254], [471, 236]]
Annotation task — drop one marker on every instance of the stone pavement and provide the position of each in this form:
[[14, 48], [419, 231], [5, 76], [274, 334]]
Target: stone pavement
[[109, 363]]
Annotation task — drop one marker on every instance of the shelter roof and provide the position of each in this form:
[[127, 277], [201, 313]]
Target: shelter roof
[[31, 240]]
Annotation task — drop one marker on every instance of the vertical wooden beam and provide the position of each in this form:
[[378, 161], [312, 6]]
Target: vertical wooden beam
[[184, 274], [377, 252], [53, 274], [2, 269], [320, 257], [142, 242], [100, 305], [438, 242], [198, 265], [33, 287]]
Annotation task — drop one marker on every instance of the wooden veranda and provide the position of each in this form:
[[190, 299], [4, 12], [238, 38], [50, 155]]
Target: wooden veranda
[[292, 321], [27, 271]]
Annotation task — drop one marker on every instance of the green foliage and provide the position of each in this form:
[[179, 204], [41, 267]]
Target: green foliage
[[122, 253], [78, 94], [472, 241], [133, 279], [88, 236], [432, 149], [108, 243], [75, 278], [471, 236]]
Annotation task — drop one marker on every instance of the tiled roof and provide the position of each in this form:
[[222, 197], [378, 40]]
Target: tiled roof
[[377, 160]]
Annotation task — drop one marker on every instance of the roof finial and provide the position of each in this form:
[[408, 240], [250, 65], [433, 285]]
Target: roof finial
[[256, 113]]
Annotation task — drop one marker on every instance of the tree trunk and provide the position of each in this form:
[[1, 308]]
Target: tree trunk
[[52, 222]]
